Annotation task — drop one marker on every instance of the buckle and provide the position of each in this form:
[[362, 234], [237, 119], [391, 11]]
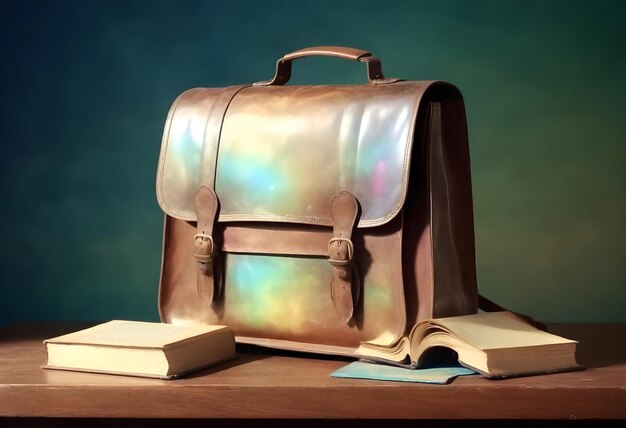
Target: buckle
[[338, 262], [205, 247]]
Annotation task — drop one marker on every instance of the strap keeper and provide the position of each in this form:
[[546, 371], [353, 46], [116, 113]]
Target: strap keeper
[[340, 262], [203, 258]]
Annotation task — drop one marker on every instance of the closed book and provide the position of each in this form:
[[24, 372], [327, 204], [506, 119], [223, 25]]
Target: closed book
[[138, 348]]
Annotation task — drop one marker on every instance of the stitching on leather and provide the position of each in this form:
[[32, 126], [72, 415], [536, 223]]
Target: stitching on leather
[[231, 96], [219, 135], [165, 142], [325, 221], [353, 95], [407, 156]]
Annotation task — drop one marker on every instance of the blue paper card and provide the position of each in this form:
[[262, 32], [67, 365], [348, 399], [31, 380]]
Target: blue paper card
[[437, 375]]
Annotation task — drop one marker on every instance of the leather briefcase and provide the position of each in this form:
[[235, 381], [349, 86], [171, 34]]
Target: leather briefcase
[[316, 217]]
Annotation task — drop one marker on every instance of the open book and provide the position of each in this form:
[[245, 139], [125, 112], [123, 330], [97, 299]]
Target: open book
[[495, 344]]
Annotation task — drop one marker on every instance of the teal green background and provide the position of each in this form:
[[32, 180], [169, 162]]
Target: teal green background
[[86, 86]]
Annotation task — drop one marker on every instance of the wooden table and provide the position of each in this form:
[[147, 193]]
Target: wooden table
[[281, 385]]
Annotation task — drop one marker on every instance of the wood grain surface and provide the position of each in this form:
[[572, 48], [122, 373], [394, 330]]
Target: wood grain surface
[[276, 384]]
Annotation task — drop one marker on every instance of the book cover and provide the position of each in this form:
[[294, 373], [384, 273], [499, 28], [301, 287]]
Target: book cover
[[139, 348]]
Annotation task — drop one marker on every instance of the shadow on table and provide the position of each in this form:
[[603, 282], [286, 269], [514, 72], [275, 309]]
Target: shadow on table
[[599, 345]]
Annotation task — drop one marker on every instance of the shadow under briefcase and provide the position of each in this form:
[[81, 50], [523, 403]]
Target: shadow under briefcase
[[315, 217]]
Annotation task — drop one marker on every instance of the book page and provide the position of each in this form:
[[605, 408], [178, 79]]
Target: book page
[[134, 334], [497, 330], [396, 352]]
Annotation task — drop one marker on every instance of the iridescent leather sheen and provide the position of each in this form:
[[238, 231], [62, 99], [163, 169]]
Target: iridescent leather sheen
[[285, 151], [275, 157], [287, 297]]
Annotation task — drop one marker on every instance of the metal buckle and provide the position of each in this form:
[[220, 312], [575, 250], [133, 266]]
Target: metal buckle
[[203, 257], [350, 251]]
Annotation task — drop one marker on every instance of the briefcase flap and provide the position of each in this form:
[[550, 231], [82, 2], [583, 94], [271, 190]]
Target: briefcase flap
[[280, 153]]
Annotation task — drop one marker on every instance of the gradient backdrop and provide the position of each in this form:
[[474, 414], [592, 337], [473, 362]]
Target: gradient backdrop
[[86, 86]]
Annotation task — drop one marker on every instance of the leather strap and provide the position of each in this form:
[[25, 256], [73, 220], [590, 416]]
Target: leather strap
[[344, 209], [208, 284], [213, 132]]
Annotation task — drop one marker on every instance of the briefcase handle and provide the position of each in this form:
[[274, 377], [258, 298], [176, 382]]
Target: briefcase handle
[[374, 68]]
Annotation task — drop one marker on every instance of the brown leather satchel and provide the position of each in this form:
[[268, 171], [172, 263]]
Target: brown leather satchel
[[316, 217]]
